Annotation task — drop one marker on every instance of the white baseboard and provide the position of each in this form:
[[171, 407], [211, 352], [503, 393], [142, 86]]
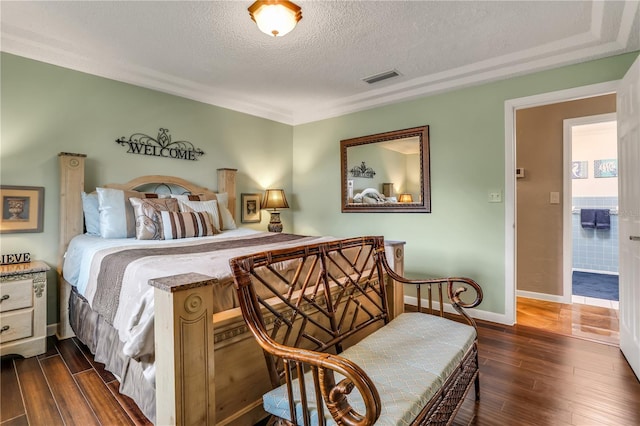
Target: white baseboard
[[542, 296], [473, 313], [51, 329]]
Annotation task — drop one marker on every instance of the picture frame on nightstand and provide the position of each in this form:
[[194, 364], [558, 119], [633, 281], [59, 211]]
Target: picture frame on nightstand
[[21, 209]]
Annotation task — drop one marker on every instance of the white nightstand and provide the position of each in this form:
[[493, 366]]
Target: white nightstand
[[23, 309]]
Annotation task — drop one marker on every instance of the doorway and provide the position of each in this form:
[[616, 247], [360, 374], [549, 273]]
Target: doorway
[[540, 195], [590, 223]]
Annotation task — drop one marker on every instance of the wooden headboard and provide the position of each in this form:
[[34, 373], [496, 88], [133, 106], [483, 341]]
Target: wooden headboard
[[72, 185]]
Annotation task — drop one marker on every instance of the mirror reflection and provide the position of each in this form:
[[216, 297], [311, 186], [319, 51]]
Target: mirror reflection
[[386, 172]]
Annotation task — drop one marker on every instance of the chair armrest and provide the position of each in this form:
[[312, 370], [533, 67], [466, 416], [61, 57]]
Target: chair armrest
[[455, 287], [334, 394], [323, 366]]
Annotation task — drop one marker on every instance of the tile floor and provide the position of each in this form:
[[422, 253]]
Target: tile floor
[[603, 303]]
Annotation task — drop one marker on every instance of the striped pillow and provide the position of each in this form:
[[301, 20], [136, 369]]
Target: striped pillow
[[210, 207], [185, 225]]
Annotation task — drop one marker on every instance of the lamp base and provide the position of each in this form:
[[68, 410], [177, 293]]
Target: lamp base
[[274, 224]]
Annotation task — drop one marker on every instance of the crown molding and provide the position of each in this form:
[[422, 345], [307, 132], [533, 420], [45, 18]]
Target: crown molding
[[578, 48], [51, 51]]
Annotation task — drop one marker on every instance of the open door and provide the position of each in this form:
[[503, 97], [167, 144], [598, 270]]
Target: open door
[[628, 108]]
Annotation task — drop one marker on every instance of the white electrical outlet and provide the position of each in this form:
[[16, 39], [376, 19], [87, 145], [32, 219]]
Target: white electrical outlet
[[554, 198], [495, 196]]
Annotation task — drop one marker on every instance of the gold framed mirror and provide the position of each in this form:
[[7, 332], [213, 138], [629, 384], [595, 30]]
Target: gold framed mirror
[[386, 172]]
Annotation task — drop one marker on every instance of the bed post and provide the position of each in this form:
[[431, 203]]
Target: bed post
[[394, 250], [227, 183], [185, 385], [71, 224]]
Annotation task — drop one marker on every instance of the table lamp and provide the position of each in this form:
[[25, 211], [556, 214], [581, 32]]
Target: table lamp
[[274, 199]]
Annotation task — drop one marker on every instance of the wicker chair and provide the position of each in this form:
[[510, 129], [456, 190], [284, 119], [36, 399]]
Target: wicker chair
[[320, 314]]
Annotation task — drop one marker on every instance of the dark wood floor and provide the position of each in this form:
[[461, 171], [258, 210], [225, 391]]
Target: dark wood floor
[[63, 386], [528, 377]]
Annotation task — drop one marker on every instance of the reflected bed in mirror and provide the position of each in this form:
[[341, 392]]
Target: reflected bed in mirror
[[386, 172]]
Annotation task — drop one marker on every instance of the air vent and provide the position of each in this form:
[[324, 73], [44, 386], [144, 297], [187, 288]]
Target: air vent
[[382, 76]]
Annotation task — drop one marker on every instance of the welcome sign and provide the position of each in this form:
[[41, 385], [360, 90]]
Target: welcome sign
[[163, 146]]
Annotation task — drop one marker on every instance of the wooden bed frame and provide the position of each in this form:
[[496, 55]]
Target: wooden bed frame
[[209, 368]]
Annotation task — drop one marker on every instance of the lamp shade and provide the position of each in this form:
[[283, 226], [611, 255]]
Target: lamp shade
[[405, 198], [275, 17], [274, 199]]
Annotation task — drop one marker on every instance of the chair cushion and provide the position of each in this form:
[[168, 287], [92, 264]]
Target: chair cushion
[[408, 360]]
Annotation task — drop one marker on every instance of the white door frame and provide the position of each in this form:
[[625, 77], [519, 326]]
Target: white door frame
[[510, 108], [567, 191]]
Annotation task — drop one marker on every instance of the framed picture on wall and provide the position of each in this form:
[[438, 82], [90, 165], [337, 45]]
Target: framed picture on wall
[[605, 168], [250, 208], [22, 209], [579, 170]]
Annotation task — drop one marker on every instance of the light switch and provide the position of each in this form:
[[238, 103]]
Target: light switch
[[554, 198]]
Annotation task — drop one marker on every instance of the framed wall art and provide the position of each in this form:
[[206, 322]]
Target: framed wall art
[[250, 204], [605, 168], [22, 209], [579, 170]]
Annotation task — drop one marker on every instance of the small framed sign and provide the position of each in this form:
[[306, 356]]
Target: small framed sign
[[579, 170], [22, 209], [11, 259], [250, 208], [605, 168]]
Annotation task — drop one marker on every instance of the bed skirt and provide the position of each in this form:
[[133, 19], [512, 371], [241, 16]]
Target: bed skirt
[[103, 341]]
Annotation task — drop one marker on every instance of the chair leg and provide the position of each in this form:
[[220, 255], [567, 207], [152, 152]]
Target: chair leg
[[477, 383]]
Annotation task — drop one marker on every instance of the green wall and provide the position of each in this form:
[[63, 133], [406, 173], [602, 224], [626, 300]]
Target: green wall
[[464, 234], [48, 109]]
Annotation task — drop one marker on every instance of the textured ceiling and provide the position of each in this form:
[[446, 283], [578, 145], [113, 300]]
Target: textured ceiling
[[214, 53]]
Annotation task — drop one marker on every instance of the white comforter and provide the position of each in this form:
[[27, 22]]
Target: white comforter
[[134, 315]]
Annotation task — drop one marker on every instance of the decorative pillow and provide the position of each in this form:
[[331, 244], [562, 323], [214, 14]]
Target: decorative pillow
[[185, 224], [226, 219], [225, 214], [91, 213], [146, 211], [210, 207], [192, 197], [116, 213]]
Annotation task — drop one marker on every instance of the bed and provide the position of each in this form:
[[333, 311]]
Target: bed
[[177, 340]]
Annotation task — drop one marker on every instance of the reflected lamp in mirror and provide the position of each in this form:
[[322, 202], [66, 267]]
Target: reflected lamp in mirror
[[405, 198], [274, 199]]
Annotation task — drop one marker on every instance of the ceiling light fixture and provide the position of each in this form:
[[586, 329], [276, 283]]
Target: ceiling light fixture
[[275, 17]]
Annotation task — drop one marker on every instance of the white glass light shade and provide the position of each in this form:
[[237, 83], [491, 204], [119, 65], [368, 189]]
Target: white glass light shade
[[275, 17]]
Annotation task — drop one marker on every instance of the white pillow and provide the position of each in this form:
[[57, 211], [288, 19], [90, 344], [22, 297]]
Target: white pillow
[[117, 219], [225, 214], [210, 207], [91, 213]]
